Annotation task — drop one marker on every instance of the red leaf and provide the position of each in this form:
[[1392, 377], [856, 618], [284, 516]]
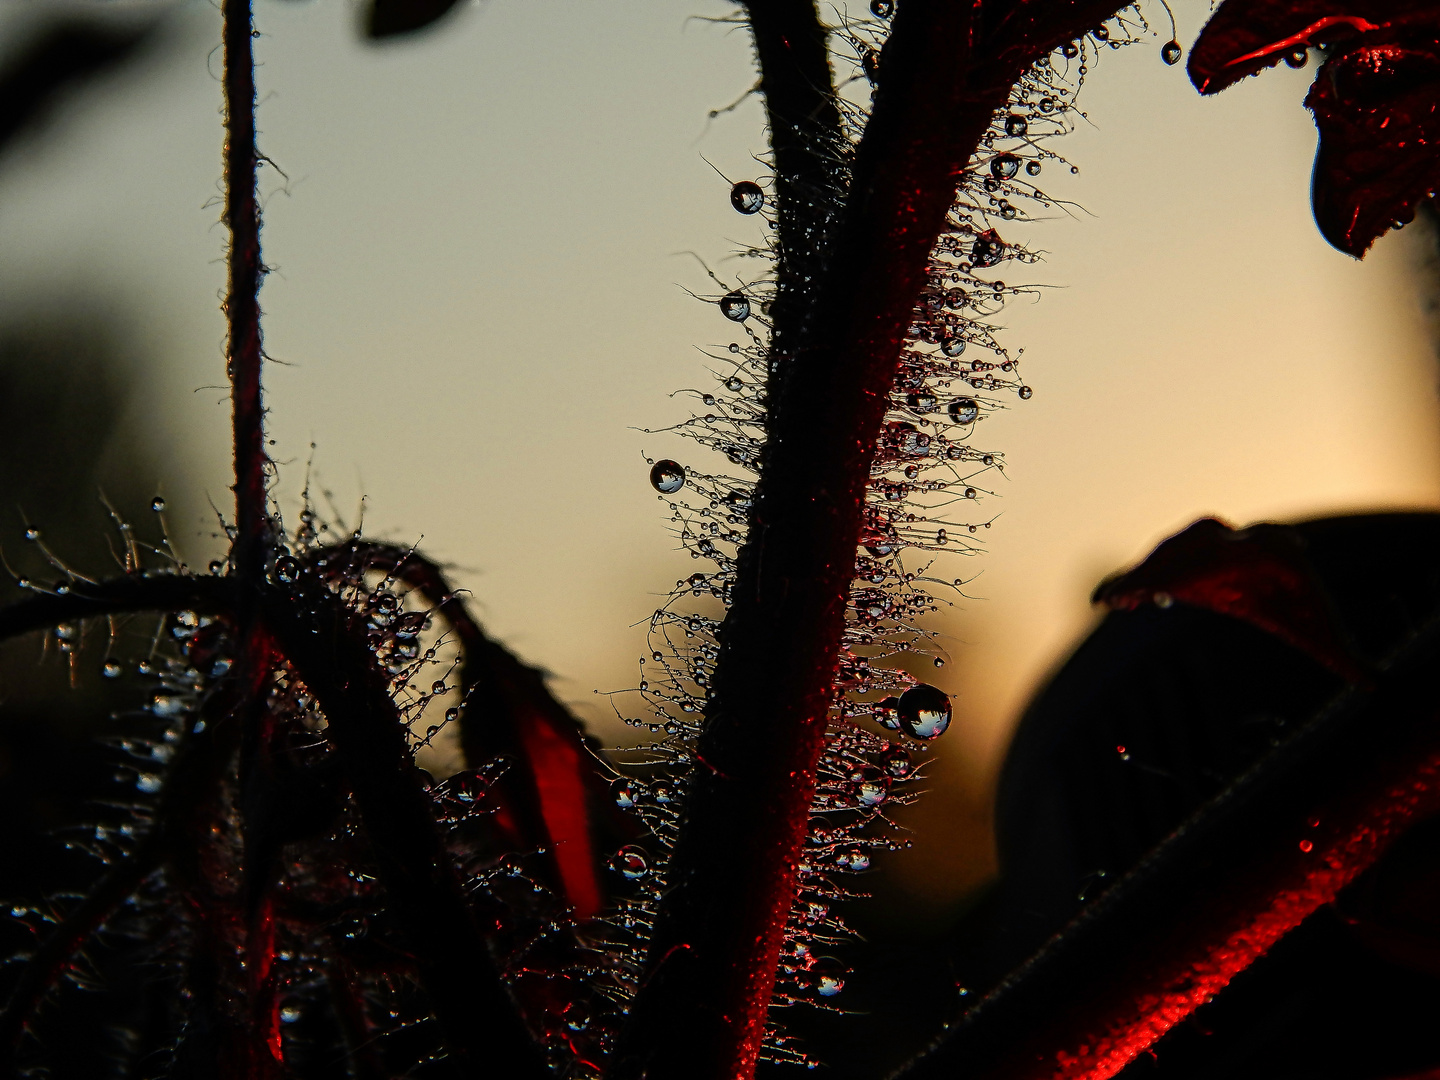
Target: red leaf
[[1258, 575], [1376, 99]]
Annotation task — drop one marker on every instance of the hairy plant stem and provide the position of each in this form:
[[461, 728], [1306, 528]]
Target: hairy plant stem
[[242, 301], [710, 974]]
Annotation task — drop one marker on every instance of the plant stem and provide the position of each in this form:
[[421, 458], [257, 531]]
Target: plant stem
[[242, 302], [946, 69]]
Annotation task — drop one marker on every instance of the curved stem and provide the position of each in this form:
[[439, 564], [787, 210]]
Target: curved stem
[[171, 592], [482, 1024]]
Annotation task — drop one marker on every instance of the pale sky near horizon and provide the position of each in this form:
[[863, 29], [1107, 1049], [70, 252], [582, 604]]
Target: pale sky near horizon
[[479, 297]]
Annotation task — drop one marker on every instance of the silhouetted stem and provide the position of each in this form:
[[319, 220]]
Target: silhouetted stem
[[711, 971], [163, 593], [482, 1025], [510, 713], [242, 301]]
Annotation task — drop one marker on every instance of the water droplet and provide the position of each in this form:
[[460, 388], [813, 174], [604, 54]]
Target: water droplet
[[1025, 393], [1069, 50], [438, 686], [410, 624], [881, 9], [870, 64], [988, 459], [625, 795], [828, 976], [667, 477], [970, 493], [149, 783], [1004, 167], [289, 1014], [1016, 126], [987, 249], [964, 411], [1033, 168], [663, 793], [735, 306], [32, 533], [1102, 33], [157, 504], [939, 661], [734, 383], [145, 667], [287, 570], [854, 859], [1296, 57], [747, 197], [872, 786], [1171, 52], [1163, 600], [896, 762], [216, 566], [921, 402], [630, 862], [941, 537], [432, 731], [924, 711], [1045, 104], [887, 713], [110, 669], [734, 347], [1306, 846]]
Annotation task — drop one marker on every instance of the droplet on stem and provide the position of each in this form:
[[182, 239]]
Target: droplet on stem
[[924, 711], [747, 197], [735, 307], [1171, 52], [667, 477]]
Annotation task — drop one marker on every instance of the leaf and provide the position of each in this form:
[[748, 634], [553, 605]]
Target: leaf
[[1259, 575], [1376, 99], [387, 18]]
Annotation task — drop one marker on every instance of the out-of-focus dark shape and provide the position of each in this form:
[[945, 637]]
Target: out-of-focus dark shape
[[59, 57], [1187, 773], [389, 18], [1376, 99]]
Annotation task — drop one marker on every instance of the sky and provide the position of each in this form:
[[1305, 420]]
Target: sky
[[483, 240]]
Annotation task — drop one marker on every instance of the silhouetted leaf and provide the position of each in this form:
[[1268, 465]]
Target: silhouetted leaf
[[1376, 99], [1259, 574], [387, 18]]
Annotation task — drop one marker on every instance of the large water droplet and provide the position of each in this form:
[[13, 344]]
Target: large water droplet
[[287, 570], [870, 64], [1025, 393], [881, 9], [828, 976], [630, 862], [871, 786], [1171, 52], [921, 402], [963, 410], [1016, 125], [747, 197], [111, 669], [667, 477], [1004, 167], [157, 504], [32, 533], [735, 306], [924, 711], [952, 346]]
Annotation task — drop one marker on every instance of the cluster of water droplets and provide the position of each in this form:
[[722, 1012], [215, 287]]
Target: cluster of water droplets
[[343, 944]]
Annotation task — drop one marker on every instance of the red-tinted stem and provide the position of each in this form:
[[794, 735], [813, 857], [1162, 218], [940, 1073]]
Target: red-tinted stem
[[242, 301], [479, 1018], [711, 971]]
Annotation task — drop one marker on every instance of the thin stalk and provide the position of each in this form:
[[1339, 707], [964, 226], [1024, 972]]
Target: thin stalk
[[242, 301], [701, 1012]]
